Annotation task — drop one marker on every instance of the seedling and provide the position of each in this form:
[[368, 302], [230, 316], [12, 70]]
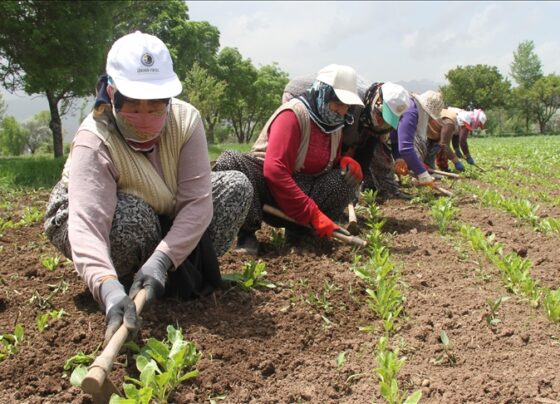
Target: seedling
[[79, 363], [551, 304], [50, 262], [42, 320], [340, 359], [278, 239], [447, 351], [9, 342], [443, 213], [491, 318], [163, 365], [388, 366], [252, 276]]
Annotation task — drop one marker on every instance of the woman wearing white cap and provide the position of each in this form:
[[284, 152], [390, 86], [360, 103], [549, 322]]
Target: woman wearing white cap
[[366, 139], [137, 196], [295, 162], [412, 131]]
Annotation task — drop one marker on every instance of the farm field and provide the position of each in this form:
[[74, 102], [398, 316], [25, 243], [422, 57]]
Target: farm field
[[463, 296]]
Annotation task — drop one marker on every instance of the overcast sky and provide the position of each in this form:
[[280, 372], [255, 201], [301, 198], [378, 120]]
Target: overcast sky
[[383, 41]]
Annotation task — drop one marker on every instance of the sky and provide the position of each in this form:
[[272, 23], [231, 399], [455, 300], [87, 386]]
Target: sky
[[383, 41]]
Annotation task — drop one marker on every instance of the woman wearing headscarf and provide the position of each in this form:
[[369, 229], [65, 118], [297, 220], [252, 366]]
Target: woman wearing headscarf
[[460, 144], [137, 201], [412, 134], [366, 140], [296, 163]]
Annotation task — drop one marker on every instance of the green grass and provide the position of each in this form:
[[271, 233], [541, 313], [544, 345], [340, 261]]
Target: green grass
[[45, 171], [30, 172], [214, 150]]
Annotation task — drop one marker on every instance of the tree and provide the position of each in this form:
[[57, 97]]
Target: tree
[[37, 130], [526, 67], [12, 137], [545, 96], [188, 41], [2, 107], [251, 95], [475, 86], [60, 54], [204, 92]]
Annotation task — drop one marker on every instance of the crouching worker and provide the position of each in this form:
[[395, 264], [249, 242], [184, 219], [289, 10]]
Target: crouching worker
[[296, 164], [136, 200]]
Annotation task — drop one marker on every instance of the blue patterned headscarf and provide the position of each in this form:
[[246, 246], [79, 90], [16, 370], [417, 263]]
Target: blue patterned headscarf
[[316, 100]]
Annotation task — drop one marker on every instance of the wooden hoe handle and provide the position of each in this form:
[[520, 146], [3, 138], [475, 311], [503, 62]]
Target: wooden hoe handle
[[101, 367], [337, 234]]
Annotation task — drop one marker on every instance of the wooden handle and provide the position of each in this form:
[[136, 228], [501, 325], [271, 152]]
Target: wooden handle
[[443, 191], [101, 367], [444, 173], [351, 214], [336, 234]]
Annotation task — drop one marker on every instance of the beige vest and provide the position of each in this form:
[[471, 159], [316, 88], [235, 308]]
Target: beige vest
[[259, 148], [434, 128], [137, 176]]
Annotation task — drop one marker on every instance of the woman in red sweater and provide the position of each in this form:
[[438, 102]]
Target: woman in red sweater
[[296, 162]]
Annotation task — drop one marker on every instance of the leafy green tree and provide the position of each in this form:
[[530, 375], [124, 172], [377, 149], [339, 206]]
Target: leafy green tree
[[545, 96], [251, 95], [2, 107], [526, 67], [475, 86], [54, 48], [37, 131], [188, 41], [204, 92], [12, 137]]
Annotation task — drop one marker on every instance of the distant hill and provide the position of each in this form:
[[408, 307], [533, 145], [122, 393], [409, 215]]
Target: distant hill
[[419, 86]]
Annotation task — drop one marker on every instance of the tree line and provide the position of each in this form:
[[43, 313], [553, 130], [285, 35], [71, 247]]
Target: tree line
[[65, 44]]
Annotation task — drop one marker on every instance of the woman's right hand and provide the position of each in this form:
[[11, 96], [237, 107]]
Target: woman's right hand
[[322, 224], [119, 308], [426, 179], [401, 168]]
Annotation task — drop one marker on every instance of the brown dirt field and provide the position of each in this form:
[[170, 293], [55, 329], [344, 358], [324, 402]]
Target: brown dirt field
[[273, 346]]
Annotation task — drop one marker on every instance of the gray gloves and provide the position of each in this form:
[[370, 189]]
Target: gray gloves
[[119, 308], [151, 277]]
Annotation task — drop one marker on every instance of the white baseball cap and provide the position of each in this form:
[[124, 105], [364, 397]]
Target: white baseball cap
[[396, 101], [344, 81], [141, 67]]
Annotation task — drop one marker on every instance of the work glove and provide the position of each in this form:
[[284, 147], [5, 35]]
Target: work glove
[[352, 171], [401, 168], [470, 160], [119, 308], [459, 166], [152, 277], [426, 179], [322, 224]]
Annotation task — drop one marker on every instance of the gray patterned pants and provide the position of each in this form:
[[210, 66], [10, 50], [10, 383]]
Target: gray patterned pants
[[136, 228], [329, 191]]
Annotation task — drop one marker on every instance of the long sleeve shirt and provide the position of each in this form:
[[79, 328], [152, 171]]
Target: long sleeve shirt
[[92, 194], [283, 143], [402, 139]]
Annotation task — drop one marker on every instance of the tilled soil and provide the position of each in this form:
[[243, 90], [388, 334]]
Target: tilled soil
[[280, 345]]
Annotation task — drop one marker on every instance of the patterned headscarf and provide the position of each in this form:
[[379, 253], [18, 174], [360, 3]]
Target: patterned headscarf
[[366, 117], [316, 100]]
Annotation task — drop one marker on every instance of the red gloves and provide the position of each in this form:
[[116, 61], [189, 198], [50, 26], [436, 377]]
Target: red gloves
[[401, 168], [322, 224], [352, 171]]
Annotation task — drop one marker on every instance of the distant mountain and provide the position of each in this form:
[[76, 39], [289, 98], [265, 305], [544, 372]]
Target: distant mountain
[[419, 86]]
